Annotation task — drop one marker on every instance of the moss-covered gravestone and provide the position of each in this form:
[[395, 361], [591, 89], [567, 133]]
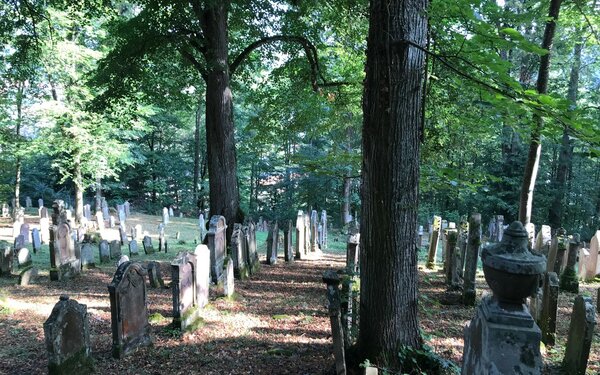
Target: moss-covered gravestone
[[128, 310], [568, 280], [67, 335], [115, 249]]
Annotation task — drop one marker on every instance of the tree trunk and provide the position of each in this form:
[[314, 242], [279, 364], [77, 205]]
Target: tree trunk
[[18, 162], [535, 145], [196, 156], [78, 180], [222, 164], [346, 204], [392, 105], [565, 158], [98, 194]]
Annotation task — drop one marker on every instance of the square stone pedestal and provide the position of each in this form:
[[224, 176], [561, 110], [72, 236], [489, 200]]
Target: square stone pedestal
[[502, 339]]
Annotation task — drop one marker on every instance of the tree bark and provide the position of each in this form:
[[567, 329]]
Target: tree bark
[[392, 105], [78, 180], [18, 162], [346, 194], [196, 156], [535, 145], [220, 141], [98, 194]]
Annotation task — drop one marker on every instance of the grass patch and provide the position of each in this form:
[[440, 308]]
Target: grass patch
[[281, 317], [156, 318]]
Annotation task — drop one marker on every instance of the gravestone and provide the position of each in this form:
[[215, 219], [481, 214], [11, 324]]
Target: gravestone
[[112, 222], [300, 247], [67, 336], [314, 224], [288, 249], [473, 245], [104, 250], [128, 310], [202, 227], [154, 275], [530, 228], [557, 251], [121, 213], [165, 216], [45, 230], [137, 232], [260, 224], [25, 233], [161, 237], [216, 245], [332, 280], [307, 234], [100, 221], [582, 261], [133, 248], [123, 236], [548, 315], [186, 289], [23, 257], [171, 214], [503, 338], [451, 258], [63, 260], [250, 244], [462, 241], [87, 212], [6, 258], [44, 213], [147, 243], [105, 212], [127, 208], [433, 241], [237, 252], [353, 252], [5, 211], [27, 202], [228, 279], [543, 240], [28, 276], [592, 263], [568, 279], [581, 334], [16, 228], [122, 259], [324, 233], [19, 243], [115, 249], [87, 256], [273, 243], [40, 203]]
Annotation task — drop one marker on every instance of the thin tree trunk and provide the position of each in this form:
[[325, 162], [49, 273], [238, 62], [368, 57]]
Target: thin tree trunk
[[197, 156], [78, 180], [535, 145], [98, 194], [18, 162], [390, 177], [346, 194]]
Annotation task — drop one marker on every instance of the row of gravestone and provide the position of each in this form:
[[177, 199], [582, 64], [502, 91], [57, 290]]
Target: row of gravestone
[[311, 235], [67, 329]]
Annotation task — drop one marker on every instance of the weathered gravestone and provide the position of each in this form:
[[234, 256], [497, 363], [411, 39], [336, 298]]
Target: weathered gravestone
[[147, 243], [128, 310], [87, 212], [40, 203], [332, 280], [473, 245], [112, 222], [87, 256], [63, 260], [23, 257], [592, 263], [123, 236], [433, 241], [216, 245], [104, 250], [25, 233], [133, 248], [300, 247], [154, 275], [6, 258], [171, 214], [273, 243], [250, 245], [451, 235], [5, 211], [115, 249], [202, 227], [288, 249], [28, 276], [353, 251], [324, 233], [228, 279], [67, 334], [44, 213], [314, 231], [568, 279], [137, 233], [503, 338], [530, 229], [19, 243], [581, 334], [105, 212], [558, 247], [307, 234], [187, 291], [127, 208], [162, 243], [121, 213], [165, 216], [28, 202], [36, 241], [547, 321], [237, 252], [543, 240]]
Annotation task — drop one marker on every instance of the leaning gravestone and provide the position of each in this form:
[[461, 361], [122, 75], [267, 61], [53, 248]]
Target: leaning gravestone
[[133, 248], [115, 249], [237, 252], [87, 256], [104, 249], [36, 241], [24, 257], [67, 334], [154, 275], [273, 243], [581, 334], [28, 276], [128, 310], [216, 245], [186, 290], [300, 254], [6, 258], [147, 243]]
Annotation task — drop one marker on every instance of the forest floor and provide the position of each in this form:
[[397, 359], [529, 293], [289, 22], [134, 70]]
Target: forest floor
[[277, 322]]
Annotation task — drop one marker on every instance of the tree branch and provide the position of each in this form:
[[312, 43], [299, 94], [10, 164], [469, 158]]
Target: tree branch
[[190, 57]]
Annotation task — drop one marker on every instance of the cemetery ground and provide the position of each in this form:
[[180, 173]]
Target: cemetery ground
[[276, 322]]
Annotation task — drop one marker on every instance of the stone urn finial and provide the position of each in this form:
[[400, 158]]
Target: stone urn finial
[[511, 270]]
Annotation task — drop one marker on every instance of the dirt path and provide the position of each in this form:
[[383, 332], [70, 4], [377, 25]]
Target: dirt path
[[277, 324]]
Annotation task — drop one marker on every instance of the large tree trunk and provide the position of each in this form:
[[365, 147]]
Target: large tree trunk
[[392, 106], [220, 142], [535, 145], [565, 158]]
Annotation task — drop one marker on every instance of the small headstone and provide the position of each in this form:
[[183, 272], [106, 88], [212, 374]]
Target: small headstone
[[202, 227], [186, 289], [288, 250], [314, 225], [434, 241], [44, 213], [171, 214], [217, 246], [129, 312], [473, 247], [165, 216], [147, 243], [87, 212], [19, 242], [105, 212], [228, 281], [104, 251], [592, 263], [549, 308], [238, 255], [87, 256], [45, 229], [202, 254], [568, 279], [558, 247], [115, 249], [40, 203], [154, 275], [27, 202], [100, 220], [64, 262], [112, 221], [28, 276], [6, 258], [67, 333], [137, 233], [133, 248], [530, 229], [36, 240], [121, 213], [543, 240], [273, 243], [123, 236], [161, 238], [581, 334], [23, 257], [122, 259], [127, 207], [25, 233], [5, 211], [16, 228]]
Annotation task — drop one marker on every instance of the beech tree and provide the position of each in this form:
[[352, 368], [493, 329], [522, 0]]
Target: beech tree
[[392, 110]]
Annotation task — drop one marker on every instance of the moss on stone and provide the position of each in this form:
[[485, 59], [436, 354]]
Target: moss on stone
[[79, 363], [569, 282]]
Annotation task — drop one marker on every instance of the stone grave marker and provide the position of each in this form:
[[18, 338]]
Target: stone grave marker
[[581, 334], [186, 289], [27, 202], [154, 275], [128, 310], [171, 214], [314, 226], [202, 227], [228, 279], [25, 233], [300, 247], [217, 246], [36, 241], [137, 232], [123, 236], [324, 233], [462, 240], [543, 240], [112, 221], [19, 243], [16, 228], [307, 234], [122, 259], [530, 228], [63, 260], [547, 320], [45, 230], [5, 211], [557, 251], [332, 280], [44, 213], [115, 249], [67, 335], [353, 252], [105, 212], [121, 213], [40, 203], [237, 252], [87, 212], [568, 279], [161, 238], [127, 208], [434, 241], [202, 254], [473, 246], [100, 220], [165, 216], [250, 245], [6, 259], [28, 276], [288, 249], [104, 250], [592, 263], [133, 248], [147, 243], [23, 257], [451, 259], [87, 256], [273, 243]]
